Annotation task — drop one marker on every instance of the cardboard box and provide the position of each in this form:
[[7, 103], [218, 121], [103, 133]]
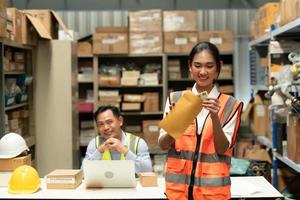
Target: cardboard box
[[134, 98], [226, 72], [151, 133], [110, 40], [148, 179], [257, 153], [145, 42], [14, 114], [183, 20], [12, 163], [131, 106], [64, 179], [50, 20], [293, 137], [133, 129], [145, 20], [289, 11], [108, 80], [264, 62], [17, 24], [222, 39], [227, 89], [3, 18], [84, 48], [267, 15], [179, 42], [32, 30], [259, 115], [151, 103]]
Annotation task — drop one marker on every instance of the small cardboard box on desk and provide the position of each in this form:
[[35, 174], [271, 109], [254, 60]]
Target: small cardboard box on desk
[[64, 179], [148, 179]]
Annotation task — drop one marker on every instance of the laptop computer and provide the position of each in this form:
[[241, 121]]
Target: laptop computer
[[109, 173]]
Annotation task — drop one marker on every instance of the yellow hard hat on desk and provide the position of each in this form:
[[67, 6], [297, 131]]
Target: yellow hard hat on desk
[[24, 180]]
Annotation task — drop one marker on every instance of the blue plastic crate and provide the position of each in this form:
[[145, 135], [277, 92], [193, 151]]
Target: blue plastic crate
[[9, 100], [24, 79], [21, 97]]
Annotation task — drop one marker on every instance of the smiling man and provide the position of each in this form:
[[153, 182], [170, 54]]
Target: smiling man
[[112, 143]]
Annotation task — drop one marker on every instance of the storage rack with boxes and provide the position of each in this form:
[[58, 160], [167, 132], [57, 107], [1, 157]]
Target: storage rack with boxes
[[85, 61], [268, 59], [17, 91]]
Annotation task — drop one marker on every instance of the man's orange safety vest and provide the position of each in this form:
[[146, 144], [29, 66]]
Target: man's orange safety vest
[[194, 169]]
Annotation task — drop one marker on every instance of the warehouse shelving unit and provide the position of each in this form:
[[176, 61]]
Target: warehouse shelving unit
[[257, 47], [27, 130]]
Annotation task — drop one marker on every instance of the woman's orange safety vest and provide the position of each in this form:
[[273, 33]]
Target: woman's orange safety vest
[[194, 169]]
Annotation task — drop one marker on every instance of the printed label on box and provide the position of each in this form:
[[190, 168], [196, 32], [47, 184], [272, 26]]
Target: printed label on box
[[177, 19], [145, 18], [60, 180], [181, 41], [260, 110], [216, 40], [109, 41], [153, 128]]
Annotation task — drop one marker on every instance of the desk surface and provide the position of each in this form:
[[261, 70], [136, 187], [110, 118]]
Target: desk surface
[[263, 189]]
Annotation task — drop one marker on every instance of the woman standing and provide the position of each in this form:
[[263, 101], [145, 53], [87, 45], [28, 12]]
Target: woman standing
[[198, 165]]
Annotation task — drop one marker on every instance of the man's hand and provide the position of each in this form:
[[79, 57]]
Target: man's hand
[[102, 148], [114, 144]]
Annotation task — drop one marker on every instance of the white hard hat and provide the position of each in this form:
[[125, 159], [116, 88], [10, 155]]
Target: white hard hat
[[12, 145]]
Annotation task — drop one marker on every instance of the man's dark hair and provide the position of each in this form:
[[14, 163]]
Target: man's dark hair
[[116, 112]]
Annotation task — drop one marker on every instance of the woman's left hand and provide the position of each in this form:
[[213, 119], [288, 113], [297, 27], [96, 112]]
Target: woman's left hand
[[212, 105]]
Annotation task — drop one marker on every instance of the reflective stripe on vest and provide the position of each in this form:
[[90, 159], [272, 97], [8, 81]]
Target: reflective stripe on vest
[[199, 182], [202, 172], [132, 143], [210, 158]]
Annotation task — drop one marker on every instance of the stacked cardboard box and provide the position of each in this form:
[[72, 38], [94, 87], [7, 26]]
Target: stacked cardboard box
[[111, 97], [130, 77], [16, 15], [222, 39], [226, 72], [289, 11], [50, 20], [151, 133], [110, 40], [174, 70], [151, 103], [132, 102], [18, 121], [11, 164], [258, 113], [3, 19], [227, 89], [264, 18], [109, 75], [180, 31], [145, 32], [84, 48], [293, 137]]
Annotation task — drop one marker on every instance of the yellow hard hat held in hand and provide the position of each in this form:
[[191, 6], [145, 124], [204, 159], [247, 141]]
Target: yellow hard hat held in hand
[[24, 180]]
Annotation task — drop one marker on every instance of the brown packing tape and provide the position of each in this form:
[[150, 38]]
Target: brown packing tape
[[182, 114], [39, 27]]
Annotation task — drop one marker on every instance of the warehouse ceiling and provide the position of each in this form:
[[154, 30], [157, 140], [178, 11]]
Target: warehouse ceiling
[[136, 4]]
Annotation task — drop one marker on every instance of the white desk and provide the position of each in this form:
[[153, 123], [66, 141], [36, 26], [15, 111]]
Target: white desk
[[267, 191]]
